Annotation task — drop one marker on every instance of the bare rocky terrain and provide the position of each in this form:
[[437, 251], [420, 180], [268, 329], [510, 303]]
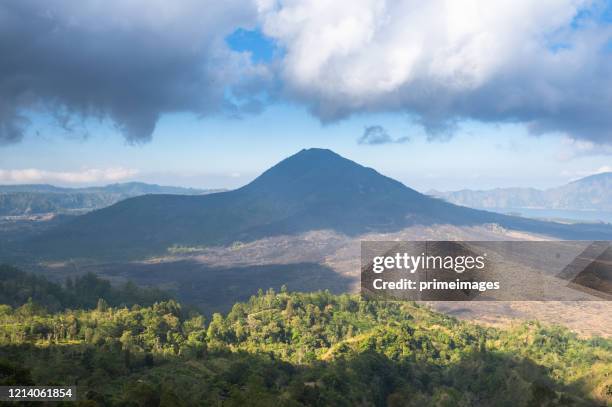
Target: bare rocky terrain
[[213, 278]]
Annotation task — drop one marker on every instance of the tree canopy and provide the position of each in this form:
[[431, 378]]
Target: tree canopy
[[298, 349]]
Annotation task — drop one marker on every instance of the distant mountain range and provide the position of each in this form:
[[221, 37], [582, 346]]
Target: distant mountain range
[[17, 200], [311, 190], [590, 193]]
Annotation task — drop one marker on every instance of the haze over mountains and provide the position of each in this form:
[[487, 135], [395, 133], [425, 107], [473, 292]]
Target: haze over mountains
[[314, 189], [590, 193], [34, 199]]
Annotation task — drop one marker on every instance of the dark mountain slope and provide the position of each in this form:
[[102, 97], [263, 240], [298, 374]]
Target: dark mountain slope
[[313, 189]]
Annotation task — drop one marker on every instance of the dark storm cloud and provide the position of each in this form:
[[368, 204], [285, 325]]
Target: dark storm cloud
[[129, 62], [377, 135]]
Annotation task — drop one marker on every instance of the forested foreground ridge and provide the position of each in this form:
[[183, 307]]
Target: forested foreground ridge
[[298, 349], [81, 292]]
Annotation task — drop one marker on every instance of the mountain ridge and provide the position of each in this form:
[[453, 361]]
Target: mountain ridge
[[34, 199], [593, 192]]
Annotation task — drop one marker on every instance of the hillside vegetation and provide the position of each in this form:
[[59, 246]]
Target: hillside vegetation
[[299, 349]]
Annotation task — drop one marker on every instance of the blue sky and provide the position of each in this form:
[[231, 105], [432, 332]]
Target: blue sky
[[488, 96], [227, 152]]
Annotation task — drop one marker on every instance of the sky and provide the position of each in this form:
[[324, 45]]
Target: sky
[[440, 95]]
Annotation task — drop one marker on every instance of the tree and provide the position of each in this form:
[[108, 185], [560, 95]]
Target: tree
[[102, 305]]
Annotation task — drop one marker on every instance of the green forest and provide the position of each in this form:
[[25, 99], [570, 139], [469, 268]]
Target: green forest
[[122, 346]]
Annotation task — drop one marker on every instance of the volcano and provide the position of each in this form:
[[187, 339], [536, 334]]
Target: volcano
[[312, 190]]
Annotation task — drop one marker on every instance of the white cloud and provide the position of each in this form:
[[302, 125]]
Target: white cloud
[[576, 175], [443, 60], [543, 63], [85, 176], [602, 169], [572, 148]]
